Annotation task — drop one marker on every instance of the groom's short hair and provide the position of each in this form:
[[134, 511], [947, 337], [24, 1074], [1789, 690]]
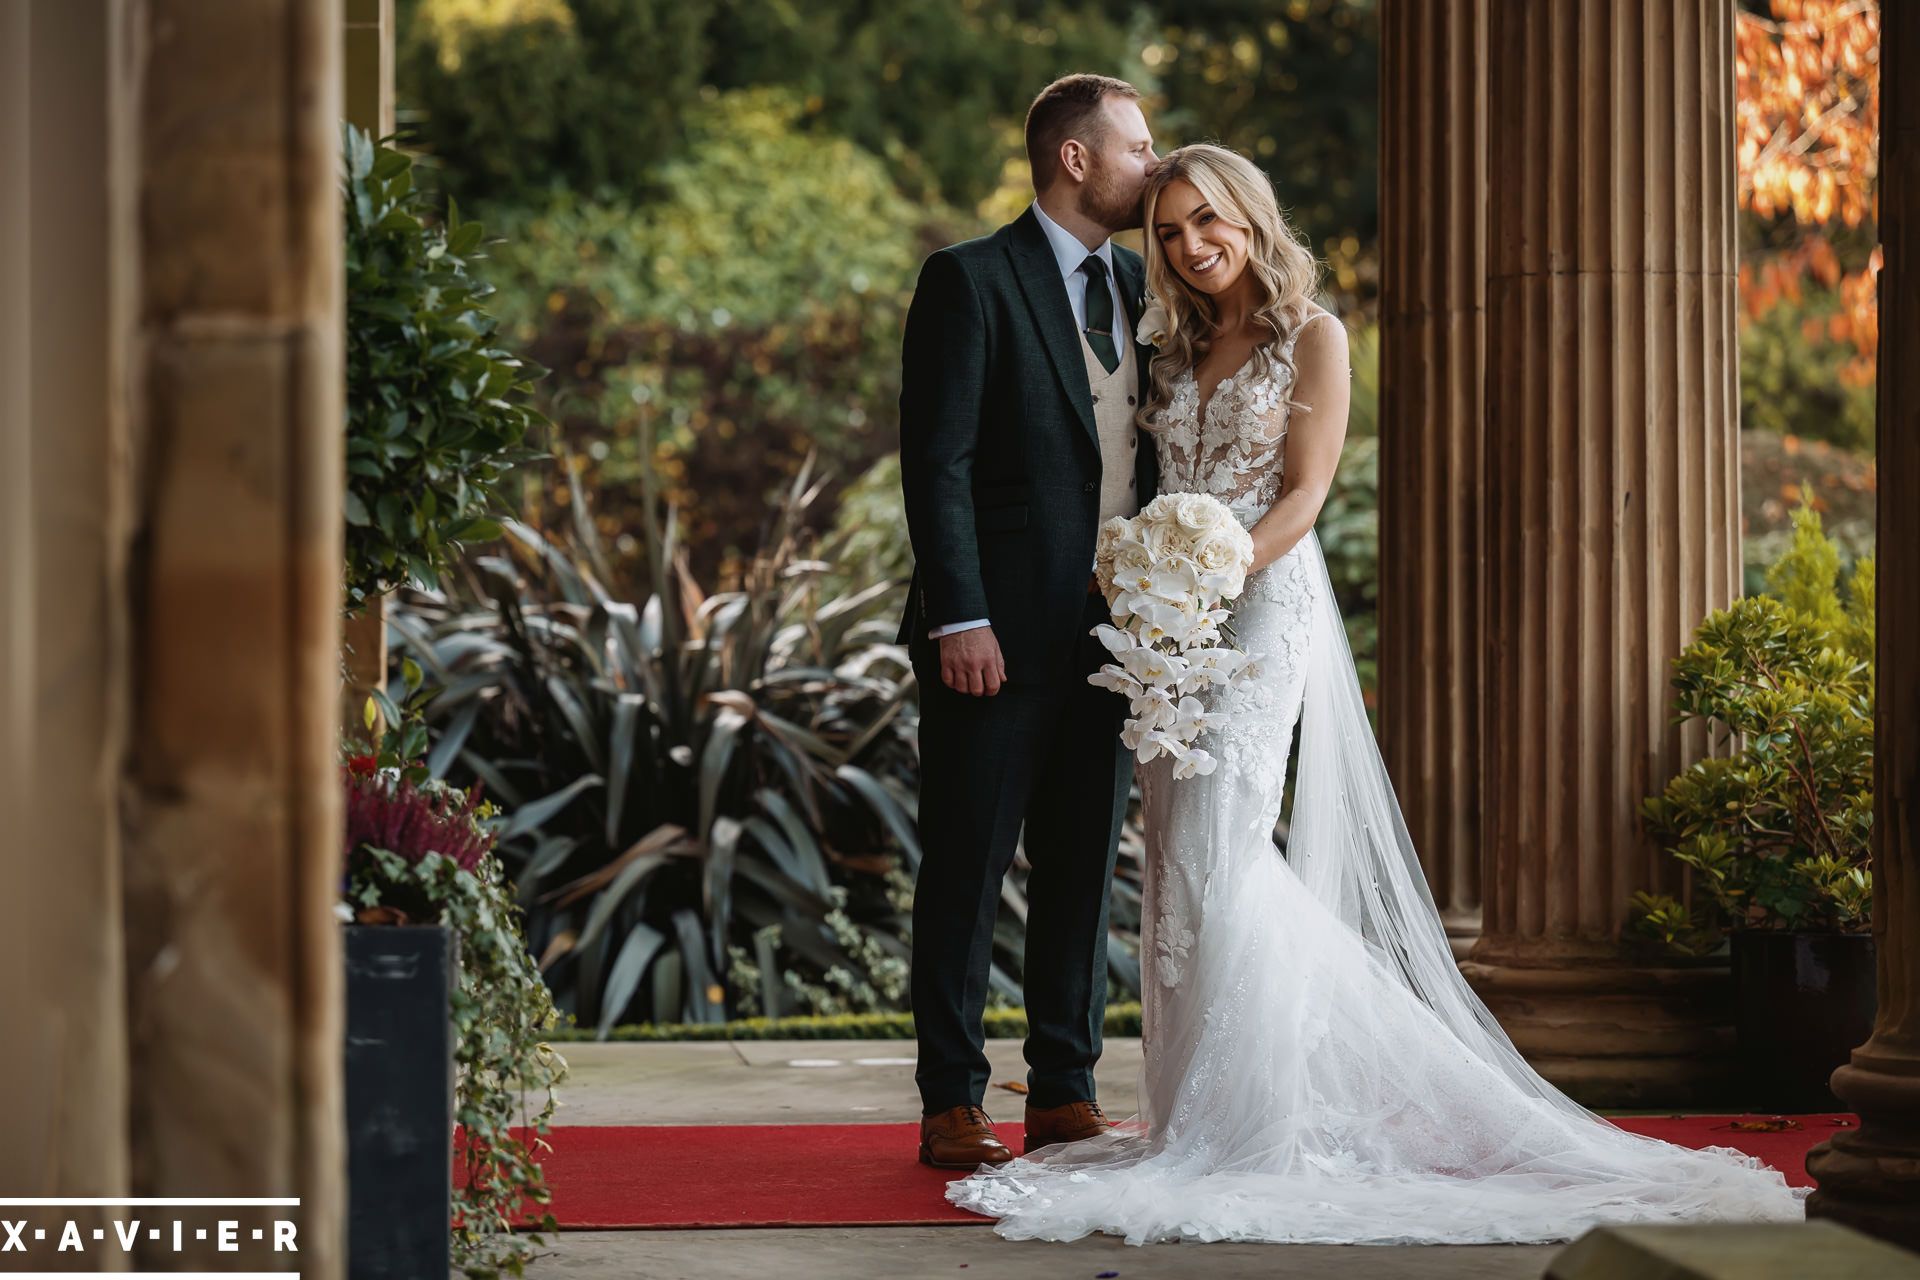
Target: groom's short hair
[[1070, 107]]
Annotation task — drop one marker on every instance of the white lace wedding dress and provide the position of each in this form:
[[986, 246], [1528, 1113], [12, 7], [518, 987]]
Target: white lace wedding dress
[[1316, 1068]]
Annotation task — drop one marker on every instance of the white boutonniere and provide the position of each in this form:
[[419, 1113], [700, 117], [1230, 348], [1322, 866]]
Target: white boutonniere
[[1152, 328]]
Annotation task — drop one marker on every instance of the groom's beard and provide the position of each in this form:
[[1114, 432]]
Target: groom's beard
[[1110, 203]]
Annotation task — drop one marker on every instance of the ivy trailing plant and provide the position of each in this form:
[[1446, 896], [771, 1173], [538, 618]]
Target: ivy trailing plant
[[1776, 825], [419, 850], [436, 412]]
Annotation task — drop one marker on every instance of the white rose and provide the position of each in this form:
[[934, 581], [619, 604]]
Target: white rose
[[1215, 552], [1222, 549], [1160, 538], [1160, 510], [1112, 534], [1193, 512]]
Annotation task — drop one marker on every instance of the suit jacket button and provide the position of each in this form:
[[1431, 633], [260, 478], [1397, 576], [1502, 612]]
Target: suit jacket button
[[1129, 399], [1089, 487], [1096, 397]]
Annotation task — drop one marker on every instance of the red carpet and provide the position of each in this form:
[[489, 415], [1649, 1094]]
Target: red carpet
[[866, 1174]]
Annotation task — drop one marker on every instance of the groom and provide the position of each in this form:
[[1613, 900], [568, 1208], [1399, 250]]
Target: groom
[[1020, 384]]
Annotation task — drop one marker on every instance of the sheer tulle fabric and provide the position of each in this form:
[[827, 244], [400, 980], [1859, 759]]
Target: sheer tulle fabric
[[1316, 1069]]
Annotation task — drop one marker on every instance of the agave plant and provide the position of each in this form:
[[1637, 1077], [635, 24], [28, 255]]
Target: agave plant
[[712, 795]]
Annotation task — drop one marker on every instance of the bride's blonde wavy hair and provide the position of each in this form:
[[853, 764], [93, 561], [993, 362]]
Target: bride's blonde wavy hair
[[1284, 272]]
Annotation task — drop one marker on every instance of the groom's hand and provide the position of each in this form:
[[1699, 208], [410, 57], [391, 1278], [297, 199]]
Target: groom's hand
[[970, 662]]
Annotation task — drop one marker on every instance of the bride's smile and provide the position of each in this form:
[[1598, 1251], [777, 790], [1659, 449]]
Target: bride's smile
[[1208, 252]]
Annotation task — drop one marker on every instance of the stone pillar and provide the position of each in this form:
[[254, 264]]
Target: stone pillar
[[63, 676], [231, 795], [1612, 492], [1870, 1178], [1433, 186], [367, 90], [367, 65]]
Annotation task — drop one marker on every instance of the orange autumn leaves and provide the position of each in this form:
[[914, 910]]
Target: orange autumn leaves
[[1807, 95], [1807, 119]]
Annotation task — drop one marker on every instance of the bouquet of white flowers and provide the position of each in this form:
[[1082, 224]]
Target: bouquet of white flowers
[[1166, 574]]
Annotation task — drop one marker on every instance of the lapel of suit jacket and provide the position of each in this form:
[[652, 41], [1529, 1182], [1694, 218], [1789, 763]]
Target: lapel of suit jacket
[[1038, 273], [1133, 286]]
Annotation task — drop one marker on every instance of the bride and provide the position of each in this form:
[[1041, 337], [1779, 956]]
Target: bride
[[1316, 1068]]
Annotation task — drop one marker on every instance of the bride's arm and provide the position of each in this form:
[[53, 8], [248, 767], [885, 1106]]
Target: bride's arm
[[1316, 428]]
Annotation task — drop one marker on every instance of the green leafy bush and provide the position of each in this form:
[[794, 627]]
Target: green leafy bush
[[745, 315], [518, 97], [1792, 375], [514, 98], [435, 411], [419, 851], [1776, 824]]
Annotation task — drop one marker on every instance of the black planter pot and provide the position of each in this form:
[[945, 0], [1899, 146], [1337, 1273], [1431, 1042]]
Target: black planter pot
[[1803, 1002], [399, 1100]]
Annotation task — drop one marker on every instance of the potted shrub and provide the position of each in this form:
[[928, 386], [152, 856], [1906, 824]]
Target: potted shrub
[[446, 1021], [1775, 825]]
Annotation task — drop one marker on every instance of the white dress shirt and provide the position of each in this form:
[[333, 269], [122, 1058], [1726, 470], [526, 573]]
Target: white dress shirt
[[1069, 252]]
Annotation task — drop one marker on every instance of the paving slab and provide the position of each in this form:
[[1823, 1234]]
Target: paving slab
[[791, 1082], [886, 1253], [1726, 1251]]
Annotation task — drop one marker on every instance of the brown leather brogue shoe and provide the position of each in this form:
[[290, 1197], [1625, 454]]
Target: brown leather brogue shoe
[[1070, 1123], [961, 1138]]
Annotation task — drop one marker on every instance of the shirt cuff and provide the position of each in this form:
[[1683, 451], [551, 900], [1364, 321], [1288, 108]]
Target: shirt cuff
[[953, 627]]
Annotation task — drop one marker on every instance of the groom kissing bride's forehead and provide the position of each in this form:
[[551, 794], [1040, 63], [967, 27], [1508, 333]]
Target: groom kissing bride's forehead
[[1315, 1067], [1090, 131], [1020, 389]]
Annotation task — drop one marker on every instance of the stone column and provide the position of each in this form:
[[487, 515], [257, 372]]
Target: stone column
[[231, 795], [367, 92], [1612, 492], [1433, 186], [367, 65], [1870, 1178], [63, 674]]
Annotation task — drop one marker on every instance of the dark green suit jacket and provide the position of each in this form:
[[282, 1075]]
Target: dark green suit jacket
[[999, 455]]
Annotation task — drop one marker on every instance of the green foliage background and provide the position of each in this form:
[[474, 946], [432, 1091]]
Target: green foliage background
[[436, 411], [714, 210]]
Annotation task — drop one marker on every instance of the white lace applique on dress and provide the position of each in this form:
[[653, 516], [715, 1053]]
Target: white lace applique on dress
[[1310, 1072]]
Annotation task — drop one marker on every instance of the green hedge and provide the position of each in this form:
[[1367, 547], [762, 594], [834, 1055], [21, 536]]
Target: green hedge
[[1001, 1024]]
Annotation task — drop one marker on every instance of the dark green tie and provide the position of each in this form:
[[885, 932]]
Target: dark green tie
[[1100, 313]]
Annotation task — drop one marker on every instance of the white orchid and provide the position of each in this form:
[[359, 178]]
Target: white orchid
[[1154, 709], [1154, 669], [1220, 663], [1158, 620], [1155, 324], [1190, 761], [1191, 719], [1225, 584]]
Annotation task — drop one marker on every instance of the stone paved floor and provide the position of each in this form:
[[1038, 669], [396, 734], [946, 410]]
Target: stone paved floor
[[854, 1081], [912, 1253]]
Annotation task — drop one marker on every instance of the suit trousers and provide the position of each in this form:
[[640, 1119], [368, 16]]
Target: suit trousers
[[1045, 756]]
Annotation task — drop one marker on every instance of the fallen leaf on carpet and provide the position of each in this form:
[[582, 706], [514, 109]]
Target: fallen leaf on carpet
[[1011, 1086], [1778, 1124]]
